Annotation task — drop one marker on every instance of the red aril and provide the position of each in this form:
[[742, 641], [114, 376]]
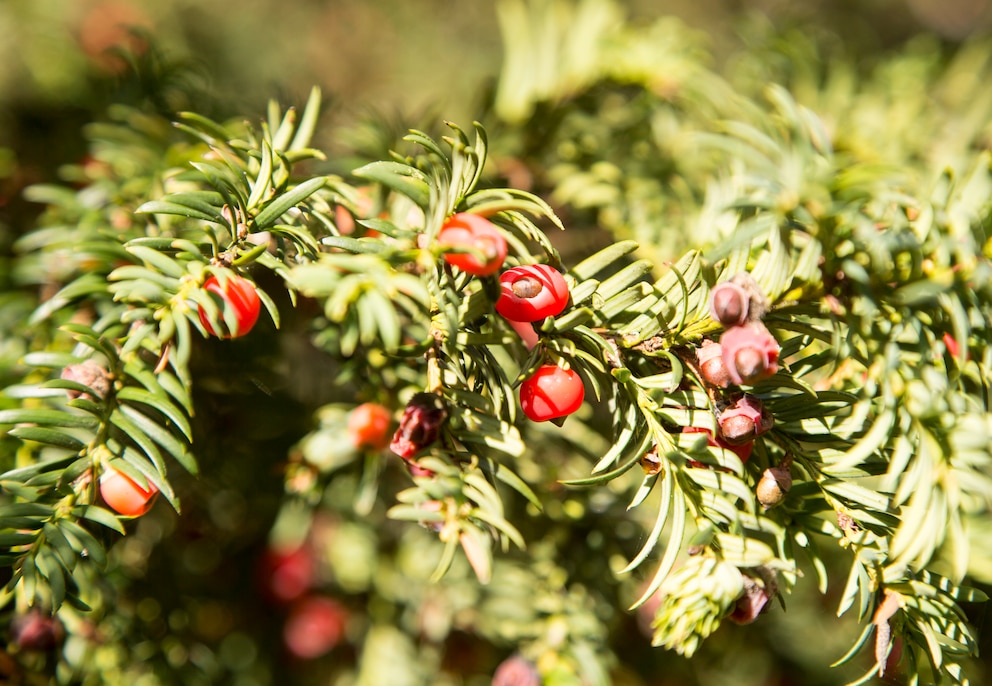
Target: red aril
[[237, 293], [531, 292], [550, 393], [124, 495], [368, 426], [477, 234]]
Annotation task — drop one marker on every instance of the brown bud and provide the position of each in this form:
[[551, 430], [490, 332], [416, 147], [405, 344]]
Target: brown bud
[[516, 671], [88, 373], [775, 482], [420, 425], [650, 462], [711, 365]]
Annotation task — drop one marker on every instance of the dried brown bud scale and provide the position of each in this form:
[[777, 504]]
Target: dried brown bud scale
[[757, 302], [757, 592], [650, 462], [419, 426]]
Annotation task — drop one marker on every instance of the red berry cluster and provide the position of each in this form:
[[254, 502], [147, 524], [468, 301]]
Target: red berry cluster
[[528, 293]]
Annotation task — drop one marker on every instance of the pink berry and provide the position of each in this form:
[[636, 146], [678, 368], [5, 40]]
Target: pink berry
[[729, 304], [744, 420], [712, 368], [750, 352]]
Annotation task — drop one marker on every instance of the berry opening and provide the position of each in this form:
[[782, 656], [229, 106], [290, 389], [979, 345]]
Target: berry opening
[[527, 287]]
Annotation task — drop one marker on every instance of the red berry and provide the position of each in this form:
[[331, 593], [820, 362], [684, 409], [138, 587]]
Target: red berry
[[36, 630], [516, 671], [952, 345], [468, 230], [368, 426], [286, 575], [237, 293], [314, 627], [417, 471], [551, 392], [531, 292], [124, 495]]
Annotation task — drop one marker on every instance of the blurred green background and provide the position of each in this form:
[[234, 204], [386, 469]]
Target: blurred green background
[[410, 62], [393, 56], [62, 61]]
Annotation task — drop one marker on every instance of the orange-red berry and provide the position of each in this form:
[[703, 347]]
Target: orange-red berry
[[368, 426], [531, 292], [124, 495], [468, 230], [237, 293], [551, 392]]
